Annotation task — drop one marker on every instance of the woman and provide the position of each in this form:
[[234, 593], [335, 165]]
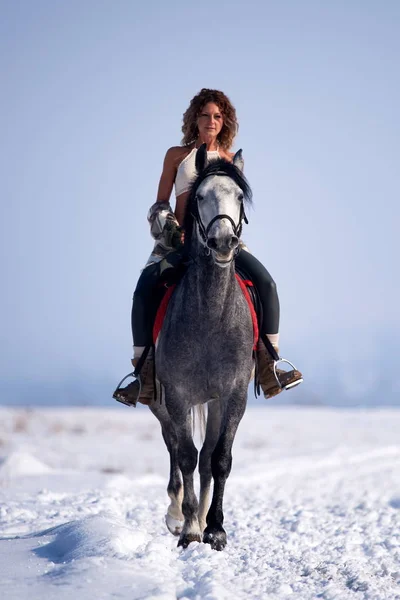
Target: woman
[[211, 120]]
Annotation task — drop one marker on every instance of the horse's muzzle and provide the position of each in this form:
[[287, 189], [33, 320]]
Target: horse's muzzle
[[223, 245], [223, 248]]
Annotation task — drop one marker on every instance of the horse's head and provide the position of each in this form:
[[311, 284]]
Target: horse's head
[[216, 206]]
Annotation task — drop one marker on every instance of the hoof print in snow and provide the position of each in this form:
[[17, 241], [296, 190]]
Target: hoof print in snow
[[395, 502], [216, 539]]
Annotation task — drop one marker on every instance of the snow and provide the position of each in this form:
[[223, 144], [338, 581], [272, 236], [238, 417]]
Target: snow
[[312, 508]]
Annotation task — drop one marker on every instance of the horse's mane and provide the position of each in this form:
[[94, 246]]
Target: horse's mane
[[215, 167]]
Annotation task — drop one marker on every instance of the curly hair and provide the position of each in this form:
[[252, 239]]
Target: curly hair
[[230, 126]]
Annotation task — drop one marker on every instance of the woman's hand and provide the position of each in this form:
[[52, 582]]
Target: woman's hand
[[172, 235], [164, 226]]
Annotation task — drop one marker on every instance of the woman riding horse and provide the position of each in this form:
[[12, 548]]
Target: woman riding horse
[[211, 120]]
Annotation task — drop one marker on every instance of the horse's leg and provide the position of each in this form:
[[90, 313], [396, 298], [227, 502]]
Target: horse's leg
[[221, 463], [187, 457], [211, 438], [174, 516]]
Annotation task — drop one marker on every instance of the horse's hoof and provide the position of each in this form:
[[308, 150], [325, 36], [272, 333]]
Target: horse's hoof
[[174, 525], [216, 538], [188, 538]]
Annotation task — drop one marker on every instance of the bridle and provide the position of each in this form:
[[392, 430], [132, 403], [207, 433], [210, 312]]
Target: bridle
[[204, 231]]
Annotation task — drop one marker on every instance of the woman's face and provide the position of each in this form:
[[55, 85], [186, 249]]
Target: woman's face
[[210, 121]]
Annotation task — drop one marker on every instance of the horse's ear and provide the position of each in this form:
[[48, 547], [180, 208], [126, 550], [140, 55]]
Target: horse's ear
[[201, 158], [238, 160]]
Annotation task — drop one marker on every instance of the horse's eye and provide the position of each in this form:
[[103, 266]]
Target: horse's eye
[[199, 197], [240, 197]]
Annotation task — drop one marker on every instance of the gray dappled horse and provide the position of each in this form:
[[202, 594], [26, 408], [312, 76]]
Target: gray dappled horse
[[205, 352]]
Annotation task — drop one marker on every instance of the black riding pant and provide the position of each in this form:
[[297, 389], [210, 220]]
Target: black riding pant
[[149, 292]]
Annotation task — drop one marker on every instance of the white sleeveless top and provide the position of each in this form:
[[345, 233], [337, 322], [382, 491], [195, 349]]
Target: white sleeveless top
[[186, 172]]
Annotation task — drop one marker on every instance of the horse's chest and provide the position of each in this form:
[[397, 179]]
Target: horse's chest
[[205, 345], [217, 335], [209, 350]]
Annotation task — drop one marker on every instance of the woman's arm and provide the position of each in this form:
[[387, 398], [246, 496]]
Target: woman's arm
[[167, 176], [172, 159], [163, 223]]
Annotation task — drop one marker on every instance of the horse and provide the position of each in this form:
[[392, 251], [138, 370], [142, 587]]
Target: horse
[[204, 352]]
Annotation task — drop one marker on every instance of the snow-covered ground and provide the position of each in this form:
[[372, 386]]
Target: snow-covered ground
[[312, 508]]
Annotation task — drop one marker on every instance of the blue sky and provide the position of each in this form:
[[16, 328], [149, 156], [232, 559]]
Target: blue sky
[[93, 95]]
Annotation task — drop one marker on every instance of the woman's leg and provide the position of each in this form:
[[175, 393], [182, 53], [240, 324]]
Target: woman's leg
[[269, 327], [148, 295], [268, 294], [146, 299]]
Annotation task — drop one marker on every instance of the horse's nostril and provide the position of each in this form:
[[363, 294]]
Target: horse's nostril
[[212, 243], [234, 242]]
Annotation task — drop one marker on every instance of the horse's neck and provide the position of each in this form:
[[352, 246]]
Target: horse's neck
[[213, 285]]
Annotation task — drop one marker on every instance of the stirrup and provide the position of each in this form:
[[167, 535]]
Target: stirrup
[[289, 385], [117, 395]]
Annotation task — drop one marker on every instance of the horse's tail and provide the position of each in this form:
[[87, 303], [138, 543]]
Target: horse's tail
[[199, 420]]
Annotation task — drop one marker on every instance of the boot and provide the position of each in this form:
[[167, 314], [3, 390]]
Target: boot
[[268, 381], [142, 388]]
